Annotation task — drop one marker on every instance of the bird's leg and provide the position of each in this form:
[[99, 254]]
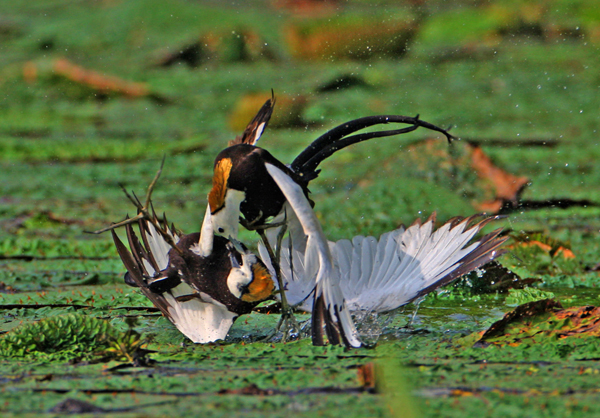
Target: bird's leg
[[254, 226], [145, 211], [249, 225], [287, 322], [292, 325]]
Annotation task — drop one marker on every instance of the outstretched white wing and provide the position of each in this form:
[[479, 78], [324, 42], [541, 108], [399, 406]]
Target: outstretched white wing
[[317, 261], [381, 275]]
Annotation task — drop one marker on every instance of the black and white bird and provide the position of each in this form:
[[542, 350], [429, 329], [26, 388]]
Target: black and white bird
[[201, 288], [253, 188], [380, 275]]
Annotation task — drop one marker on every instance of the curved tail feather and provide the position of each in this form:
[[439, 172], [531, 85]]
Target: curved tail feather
[[337, 138]]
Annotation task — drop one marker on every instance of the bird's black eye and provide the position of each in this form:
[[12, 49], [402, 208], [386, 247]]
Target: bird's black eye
[[221, 230]]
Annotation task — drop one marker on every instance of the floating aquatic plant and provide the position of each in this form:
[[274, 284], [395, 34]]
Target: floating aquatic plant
[[70, 337]]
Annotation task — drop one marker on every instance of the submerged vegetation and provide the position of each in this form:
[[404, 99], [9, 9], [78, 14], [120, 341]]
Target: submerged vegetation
[[95, 93]]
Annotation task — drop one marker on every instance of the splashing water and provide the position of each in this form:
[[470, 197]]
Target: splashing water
[[369, 326]]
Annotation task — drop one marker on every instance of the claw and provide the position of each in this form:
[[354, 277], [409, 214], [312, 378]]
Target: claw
[[287, 327]]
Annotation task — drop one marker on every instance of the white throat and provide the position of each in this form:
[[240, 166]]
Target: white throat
[[205, 244], [225, 222]]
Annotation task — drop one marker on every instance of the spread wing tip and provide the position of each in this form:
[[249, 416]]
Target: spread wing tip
[[257, 125], [337, 322]]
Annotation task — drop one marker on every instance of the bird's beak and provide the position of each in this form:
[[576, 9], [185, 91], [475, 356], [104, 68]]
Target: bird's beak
[[231, 248], [237, 245]]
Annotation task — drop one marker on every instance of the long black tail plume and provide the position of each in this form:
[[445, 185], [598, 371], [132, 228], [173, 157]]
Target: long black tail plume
[[308, 169], [337, 138]]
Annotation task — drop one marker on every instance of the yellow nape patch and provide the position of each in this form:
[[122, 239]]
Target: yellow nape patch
[[261, 286], [216, 196]]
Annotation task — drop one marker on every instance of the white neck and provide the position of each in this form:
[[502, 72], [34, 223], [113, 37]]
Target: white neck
[[205, 243], [225, 222]]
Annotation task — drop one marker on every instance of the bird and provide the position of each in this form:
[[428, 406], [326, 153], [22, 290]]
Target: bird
[[251, 187], [202, 285], [401, 266], [240, 180], [203, 289]]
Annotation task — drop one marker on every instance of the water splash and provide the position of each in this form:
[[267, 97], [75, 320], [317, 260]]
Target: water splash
[[369, 326]]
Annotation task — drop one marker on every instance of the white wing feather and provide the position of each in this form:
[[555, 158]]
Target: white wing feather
[[159, 246], [200, 318], [317, 256], [382, 275]]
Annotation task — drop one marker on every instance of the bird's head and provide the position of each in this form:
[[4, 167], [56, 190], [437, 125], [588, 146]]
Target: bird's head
[[249, 279], [261, 286]]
